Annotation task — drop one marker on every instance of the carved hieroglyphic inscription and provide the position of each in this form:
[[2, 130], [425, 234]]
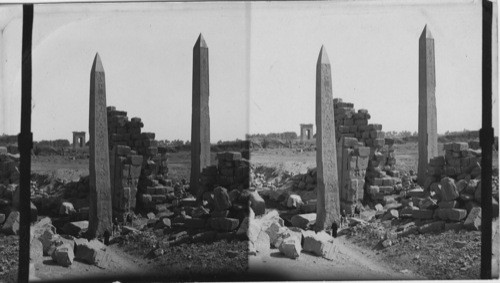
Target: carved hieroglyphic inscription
[[200, 125], [100, 216], [328, 204], [427, 113]]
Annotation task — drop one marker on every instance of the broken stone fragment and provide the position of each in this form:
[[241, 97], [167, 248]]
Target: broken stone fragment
[[262, 244], [75, 228], [63, 255], [290, 247], [11, 225], [221, 199], [294, 201], [66, 208], [448, 189], [304, 221], [473, 220], [317, 243], [90, 252], [257, 203], [36, 249], [453, 214]]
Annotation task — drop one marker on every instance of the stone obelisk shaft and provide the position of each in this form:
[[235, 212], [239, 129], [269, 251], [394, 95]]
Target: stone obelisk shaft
[[100, 215], [328, 205], [427, 114], [200, 123]]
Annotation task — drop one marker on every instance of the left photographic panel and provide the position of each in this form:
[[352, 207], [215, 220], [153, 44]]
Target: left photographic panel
[[139, 166]]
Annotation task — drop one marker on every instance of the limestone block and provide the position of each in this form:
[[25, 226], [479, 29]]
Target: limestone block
[[473, 220], [291, 247], [448, 189], [304, 221], [453, 214], [63, 255]]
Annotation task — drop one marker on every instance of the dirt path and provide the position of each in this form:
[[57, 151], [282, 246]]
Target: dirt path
[[351, 263], [119, 263]]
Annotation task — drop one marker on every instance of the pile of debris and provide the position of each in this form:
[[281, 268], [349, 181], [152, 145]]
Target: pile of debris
[[64, 249], [269, 232]]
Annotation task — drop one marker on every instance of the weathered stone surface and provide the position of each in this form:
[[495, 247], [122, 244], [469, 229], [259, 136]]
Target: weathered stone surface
[[328, 203], [294, 201], [262, 243], [75, 228], [473, 220], [433, 227], [36, 249], [290, 247], [11, 225], [66, 208], [257, 203], [453, 214], [367, 215], [2, 218], [304, 221], [100, 213], [318, 244], [63, 255], [448, 189], [427, 114], [46, 238], [90, 252], [200, 119], [221, 199]]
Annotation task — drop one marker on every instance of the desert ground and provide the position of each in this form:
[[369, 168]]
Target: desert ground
[[445, 255]]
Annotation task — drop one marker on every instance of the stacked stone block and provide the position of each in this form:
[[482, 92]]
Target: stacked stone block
[[352, 161], [125, 168], [139, 167], [355, 135], [234, 171], [349, 123], [459, 162]]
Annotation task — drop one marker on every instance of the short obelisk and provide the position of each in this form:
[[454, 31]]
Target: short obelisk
[[328, 204], [200, 123], [427, 114], [100, 215]]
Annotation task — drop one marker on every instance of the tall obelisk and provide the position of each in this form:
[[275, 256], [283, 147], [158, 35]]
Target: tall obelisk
[[100, 215], [328, 204], [427, 114], [200, 121]]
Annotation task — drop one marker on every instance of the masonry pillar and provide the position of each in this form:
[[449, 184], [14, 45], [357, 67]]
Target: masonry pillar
[[427, 115], [328, 205], [200, 123], [100, 215]]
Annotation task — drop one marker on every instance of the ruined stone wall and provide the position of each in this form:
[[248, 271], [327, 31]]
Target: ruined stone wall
[[231, 172], [365, 162], [136, 164]]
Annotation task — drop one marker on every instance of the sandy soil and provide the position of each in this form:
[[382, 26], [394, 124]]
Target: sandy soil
[[351, 263]]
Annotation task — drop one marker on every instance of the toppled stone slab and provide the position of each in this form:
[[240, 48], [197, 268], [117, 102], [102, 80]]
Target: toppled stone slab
[[448, 189], [473, 220], [304, 221], [75, 228], [63, 255], [257, 203], [91, 252], [66, 208], [291, 247], [11, 225], [453, 214], [320, 244]]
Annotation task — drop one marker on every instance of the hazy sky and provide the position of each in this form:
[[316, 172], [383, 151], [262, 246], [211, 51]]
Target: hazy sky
[[262, 63]]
